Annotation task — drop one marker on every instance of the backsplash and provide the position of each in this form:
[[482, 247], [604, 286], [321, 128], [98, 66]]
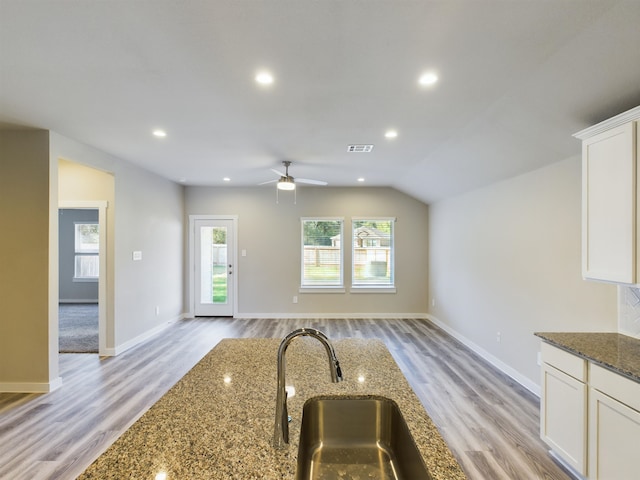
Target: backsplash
[[629, 311]]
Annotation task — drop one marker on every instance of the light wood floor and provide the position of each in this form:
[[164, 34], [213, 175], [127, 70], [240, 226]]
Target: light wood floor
[[489, 421]]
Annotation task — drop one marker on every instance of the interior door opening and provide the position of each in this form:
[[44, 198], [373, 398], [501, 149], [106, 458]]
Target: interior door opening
[[82, 277], [78, 280]]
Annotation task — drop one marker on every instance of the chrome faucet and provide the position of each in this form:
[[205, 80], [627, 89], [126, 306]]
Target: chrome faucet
[[281, 431]]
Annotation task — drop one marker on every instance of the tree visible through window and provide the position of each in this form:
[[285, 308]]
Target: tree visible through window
[[322, 252], [373, 252], [87, 246]]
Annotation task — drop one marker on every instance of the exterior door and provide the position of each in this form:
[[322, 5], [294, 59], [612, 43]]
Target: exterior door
[[214, 268]]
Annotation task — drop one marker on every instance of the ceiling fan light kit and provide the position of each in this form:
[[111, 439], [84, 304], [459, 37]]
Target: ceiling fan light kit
[[286, 183]]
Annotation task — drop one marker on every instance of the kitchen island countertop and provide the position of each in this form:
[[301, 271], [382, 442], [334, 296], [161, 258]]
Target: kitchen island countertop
[[217, 421]]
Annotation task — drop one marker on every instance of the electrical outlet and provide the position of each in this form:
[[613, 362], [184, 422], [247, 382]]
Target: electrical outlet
[[157, 311], [433, 302], [295, 299], [498, 337], [539, 359]]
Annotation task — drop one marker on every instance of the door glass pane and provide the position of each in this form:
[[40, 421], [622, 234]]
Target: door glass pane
[[213, 271]]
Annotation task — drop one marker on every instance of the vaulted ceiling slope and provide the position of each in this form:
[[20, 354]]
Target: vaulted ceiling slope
[[516, 79]]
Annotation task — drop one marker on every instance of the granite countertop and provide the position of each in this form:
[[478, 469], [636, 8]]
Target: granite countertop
[[217, 421], [614, 351]]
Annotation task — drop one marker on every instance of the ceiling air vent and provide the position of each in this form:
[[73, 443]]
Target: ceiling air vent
[[359, 148]]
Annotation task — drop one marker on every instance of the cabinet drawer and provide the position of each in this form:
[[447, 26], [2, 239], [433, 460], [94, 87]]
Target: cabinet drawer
[[564, 361], [621, 388]]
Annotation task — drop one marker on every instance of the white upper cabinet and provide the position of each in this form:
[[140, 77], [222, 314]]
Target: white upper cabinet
[[610, 213], [609, 192]]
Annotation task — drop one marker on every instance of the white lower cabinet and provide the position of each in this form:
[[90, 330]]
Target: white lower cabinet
[[563, 407], [589, 416], [614, 427]]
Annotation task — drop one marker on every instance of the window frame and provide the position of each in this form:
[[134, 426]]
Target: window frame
[[372, 286], [318, 287], [78, 252]]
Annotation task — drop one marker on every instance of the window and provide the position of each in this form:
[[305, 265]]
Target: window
[[322, 252], [86, 252], [372, 252]]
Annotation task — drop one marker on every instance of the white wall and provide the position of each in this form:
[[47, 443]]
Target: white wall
[[506, 258], [145, 213], [269, 276]]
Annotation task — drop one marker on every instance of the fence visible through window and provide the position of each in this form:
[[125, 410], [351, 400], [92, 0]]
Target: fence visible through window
[[372, 240], [322, 255]]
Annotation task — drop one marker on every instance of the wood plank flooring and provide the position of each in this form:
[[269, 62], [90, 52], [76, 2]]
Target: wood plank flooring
[[489, 421]]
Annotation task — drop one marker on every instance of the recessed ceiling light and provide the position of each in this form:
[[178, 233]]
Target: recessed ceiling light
[[264, 78], [391, 134], [361, 179], [428, 78], [226, 179], [159, 133]]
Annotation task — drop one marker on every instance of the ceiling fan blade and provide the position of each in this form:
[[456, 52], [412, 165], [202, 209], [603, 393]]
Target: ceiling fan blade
[[268, 181], [310, 182], [279, 173]]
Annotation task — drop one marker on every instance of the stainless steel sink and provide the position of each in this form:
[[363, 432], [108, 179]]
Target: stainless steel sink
[[362, 437]]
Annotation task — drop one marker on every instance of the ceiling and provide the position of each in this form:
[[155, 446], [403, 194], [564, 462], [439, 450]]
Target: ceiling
[[516, 79]]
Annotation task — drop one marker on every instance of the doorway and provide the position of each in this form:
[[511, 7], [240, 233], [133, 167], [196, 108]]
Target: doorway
[[78, 277], [82, 276], [214, 254]]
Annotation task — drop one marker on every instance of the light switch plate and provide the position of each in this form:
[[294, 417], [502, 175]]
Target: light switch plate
[[137, 255]]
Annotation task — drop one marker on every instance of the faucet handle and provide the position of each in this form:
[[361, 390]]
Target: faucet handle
[[338, 371]]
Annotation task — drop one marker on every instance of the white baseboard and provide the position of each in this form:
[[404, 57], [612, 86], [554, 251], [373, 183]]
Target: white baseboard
[[499, 364], [123, 347], [30, 387], [562, 462], [331, 316]]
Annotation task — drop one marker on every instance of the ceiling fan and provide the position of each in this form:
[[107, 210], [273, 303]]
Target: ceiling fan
[[287, 182]]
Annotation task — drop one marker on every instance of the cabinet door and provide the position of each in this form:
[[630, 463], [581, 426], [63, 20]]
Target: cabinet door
[[608, 206], [614, 430], [563, 416]]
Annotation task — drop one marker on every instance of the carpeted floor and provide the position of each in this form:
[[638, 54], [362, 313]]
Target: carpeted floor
[[78, 327]]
